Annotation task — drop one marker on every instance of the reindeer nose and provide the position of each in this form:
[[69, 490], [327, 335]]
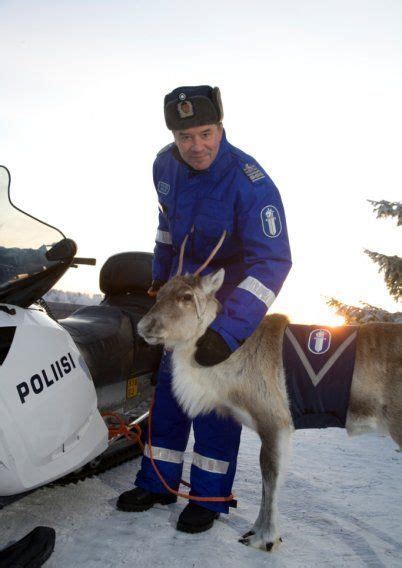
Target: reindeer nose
[[145, 325]]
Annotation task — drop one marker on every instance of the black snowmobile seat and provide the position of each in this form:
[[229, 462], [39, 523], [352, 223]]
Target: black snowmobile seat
[[104, 337], [107, 334], [126, 273], [125, 279]]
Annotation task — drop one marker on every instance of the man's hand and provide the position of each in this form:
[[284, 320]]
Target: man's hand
[[155, 287], [211, 349]]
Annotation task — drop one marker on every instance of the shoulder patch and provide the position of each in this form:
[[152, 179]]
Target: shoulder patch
[[271, 221], [253, 172], [165, 148], [163, 187]]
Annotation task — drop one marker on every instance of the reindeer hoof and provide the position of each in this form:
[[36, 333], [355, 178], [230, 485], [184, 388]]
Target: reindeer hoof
[[272, 545], [245, 539], [256, 540]]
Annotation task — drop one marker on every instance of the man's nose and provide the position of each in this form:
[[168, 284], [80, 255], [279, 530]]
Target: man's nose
[[197, 145]]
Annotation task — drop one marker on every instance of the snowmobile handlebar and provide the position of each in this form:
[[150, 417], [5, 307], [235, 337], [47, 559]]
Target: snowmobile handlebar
[[81, 260]]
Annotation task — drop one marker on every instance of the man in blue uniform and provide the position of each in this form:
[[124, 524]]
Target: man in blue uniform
[[206, 186]]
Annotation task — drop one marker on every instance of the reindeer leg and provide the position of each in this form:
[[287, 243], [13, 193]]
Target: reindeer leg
[[258, 522], [264, 533]]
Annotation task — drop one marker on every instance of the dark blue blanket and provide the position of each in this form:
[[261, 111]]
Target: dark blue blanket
[[319, 363]]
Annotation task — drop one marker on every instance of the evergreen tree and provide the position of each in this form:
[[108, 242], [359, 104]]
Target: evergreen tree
[[390, 266], [387, 209], [363, 313]]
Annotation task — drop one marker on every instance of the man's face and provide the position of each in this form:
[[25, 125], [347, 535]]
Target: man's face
[[198, 146]]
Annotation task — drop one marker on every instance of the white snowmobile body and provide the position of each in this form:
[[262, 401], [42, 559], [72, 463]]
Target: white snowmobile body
[[49, 421]]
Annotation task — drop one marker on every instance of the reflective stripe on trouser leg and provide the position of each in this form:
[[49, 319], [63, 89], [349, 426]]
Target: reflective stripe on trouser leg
[[170, 431], [215, 458]]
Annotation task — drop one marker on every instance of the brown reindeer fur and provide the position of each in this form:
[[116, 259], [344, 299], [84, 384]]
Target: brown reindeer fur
[[250, 385]]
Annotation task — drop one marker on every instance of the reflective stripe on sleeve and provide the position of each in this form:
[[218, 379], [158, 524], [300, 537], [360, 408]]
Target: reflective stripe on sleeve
[[163, 237], [258, 290], [209, 464], [164, 454]]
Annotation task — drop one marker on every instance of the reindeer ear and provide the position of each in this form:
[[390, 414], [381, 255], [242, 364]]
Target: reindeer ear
[[212, 282]]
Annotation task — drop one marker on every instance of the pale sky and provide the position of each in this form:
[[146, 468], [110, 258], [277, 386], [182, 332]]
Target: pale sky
[[311, 88]]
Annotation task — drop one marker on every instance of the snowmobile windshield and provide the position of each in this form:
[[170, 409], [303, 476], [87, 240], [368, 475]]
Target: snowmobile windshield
[[24, 241]]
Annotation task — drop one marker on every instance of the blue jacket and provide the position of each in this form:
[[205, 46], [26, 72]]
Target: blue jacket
[[234, 194]]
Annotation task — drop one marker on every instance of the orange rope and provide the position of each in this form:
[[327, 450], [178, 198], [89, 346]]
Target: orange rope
[[165, 485], [135, 437], [123, 430]]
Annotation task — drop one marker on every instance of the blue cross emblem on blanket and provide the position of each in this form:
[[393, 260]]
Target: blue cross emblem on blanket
[[319, 365], [319, 341]]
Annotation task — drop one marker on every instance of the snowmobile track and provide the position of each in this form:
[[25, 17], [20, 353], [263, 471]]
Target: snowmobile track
[[90, 470], [125, 454]]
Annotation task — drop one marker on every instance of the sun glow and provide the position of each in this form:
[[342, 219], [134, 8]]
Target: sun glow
[[317, 317], [313, 312]]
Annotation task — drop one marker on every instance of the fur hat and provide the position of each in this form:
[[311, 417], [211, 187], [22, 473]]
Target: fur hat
[[186, 107]]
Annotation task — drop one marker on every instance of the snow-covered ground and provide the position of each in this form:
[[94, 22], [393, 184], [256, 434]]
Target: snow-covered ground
[[340, 505]]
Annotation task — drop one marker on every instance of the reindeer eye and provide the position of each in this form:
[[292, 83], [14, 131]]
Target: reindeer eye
[[187, 297]]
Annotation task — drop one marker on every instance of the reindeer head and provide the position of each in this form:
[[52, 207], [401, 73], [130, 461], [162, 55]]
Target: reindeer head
[[184, 308]]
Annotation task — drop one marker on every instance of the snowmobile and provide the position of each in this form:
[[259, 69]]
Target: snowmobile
[[60, 377]]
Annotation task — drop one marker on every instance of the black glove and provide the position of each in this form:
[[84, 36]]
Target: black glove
[[155, 287], [211, 349]]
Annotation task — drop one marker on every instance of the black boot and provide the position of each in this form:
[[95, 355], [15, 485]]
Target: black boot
[[139, 499], [195, 519]]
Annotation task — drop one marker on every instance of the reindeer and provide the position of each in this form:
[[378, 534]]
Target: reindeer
[[250, 385]]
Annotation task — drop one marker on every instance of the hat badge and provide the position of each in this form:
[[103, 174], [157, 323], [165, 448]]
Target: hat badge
[[182, 96], [185, 109]]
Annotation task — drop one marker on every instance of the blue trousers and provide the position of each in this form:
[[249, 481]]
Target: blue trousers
[[215, 450]]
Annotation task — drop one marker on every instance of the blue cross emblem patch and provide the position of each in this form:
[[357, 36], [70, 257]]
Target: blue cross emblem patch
[[319, 341], [271, 221]]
